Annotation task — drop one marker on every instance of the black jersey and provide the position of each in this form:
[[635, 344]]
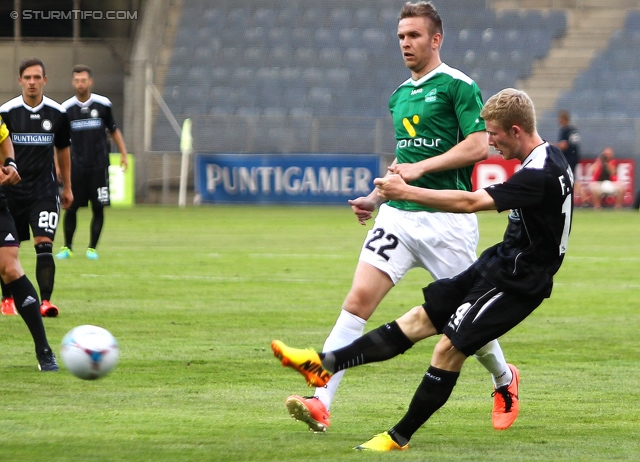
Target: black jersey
[[540, 198], [88, 120], [570, 134], [34, 133], [4, 134]]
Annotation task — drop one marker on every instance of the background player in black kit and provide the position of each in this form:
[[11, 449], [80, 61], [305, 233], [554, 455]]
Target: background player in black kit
[[89, 115], [39, 131], [497, 292], [11, 270], [569, 144]]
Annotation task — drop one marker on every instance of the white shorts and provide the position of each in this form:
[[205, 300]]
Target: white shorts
[[608, 187], [442, 243]]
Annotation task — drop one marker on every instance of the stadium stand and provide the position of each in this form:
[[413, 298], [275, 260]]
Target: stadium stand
[[278, 60], [605, 98]]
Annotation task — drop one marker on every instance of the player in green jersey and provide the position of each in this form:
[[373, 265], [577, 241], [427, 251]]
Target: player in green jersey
[[439, 137]]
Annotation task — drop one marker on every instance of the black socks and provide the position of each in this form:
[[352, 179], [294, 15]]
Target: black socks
[[380, 344], [45, 269], [28, 305], [432, 393]]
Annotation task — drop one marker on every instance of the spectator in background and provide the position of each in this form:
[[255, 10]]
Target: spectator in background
[[604, 181], [569, 144]]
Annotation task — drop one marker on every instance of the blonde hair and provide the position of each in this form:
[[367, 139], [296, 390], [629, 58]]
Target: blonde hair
[[511, 107]]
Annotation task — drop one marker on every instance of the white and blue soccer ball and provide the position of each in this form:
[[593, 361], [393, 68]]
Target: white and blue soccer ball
[[89, 352]]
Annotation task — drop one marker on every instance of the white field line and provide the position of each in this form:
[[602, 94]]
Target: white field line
[[569, 257], [298, 255]]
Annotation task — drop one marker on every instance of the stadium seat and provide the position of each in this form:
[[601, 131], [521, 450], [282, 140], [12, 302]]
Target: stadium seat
[[291, 75], [355, 57], [278, 36], [221, 111], [287, 17], [274, 111], [280, 56], [374, 41], [294, 96], [269, 94], [337, 78], [254, 56], [302, 37], [557, 23], [349, 37], [305, 56], [300, 113], [264, 18], [330, 57], [313, 17], [272, 58], [365, 18], [214, 18], [324, 37], [198, 75], [243, 75], [255, 36], [313, 76], [388, 19], [238, 19], [340, 18], [632, 20]]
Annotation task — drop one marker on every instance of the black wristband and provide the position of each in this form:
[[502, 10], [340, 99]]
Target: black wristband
[[10, 162]]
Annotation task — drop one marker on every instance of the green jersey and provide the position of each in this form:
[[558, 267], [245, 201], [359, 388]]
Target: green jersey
[[430, 116]]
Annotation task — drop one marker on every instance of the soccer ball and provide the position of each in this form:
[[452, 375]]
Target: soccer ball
[[89, 352]]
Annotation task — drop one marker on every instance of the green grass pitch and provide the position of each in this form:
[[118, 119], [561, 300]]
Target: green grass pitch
[[194, 297]]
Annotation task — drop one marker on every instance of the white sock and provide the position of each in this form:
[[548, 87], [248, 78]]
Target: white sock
[[492, 358], [347, 328]]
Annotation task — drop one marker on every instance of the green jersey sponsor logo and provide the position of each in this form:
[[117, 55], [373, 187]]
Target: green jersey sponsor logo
[[431, 96], [409, 125]]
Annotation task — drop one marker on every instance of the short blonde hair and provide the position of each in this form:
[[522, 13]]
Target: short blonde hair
[[511, 107]]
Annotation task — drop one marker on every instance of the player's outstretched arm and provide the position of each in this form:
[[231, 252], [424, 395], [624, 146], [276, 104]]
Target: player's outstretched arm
[[393, 187], [474, 148]]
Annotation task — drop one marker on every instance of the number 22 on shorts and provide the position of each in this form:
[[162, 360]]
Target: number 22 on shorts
[[381, 243]]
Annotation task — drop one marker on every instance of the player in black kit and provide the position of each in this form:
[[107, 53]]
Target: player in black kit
[[39, 131], [569, 144], [10, 268], [494, 294], [90, 117]]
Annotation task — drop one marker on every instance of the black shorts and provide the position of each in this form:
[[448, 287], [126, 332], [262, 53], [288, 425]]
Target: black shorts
[[90, 185], [41, 215], [471, 312], [572, 160], [8, 231]]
